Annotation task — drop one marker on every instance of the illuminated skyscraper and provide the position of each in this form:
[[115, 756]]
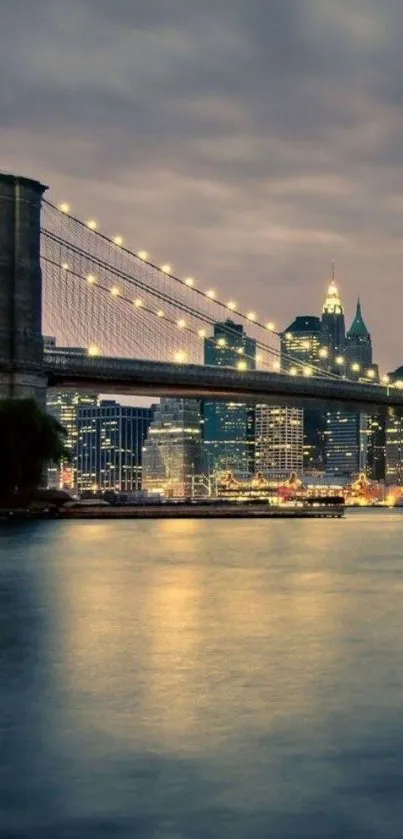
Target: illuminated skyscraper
[[394, 438], [173, 449], [358, 346], [110, 440], [279, 440], [229, 427], [333, 325]]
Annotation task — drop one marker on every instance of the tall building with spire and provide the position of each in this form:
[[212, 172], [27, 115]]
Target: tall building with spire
[[333, 325], [358, 345]]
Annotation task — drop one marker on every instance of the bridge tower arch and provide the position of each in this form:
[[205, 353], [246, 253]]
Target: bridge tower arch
[[21, 341]]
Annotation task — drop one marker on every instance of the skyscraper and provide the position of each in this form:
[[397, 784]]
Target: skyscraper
[[279, 440], [173, 449], [333, 325], [301, 342], [358, 346], [110, 439], [229, 427], [65, 406], [394, 437]]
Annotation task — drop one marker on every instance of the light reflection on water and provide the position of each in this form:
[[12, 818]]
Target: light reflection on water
[[202, 679]]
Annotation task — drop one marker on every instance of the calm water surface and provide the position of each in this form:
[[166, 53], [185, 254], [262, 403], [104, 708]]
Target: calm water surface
[[202, 679]]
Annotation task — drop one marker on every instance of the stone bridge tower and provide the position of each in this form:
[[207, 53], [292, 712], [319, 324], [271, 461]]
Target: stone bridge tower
[[21, 342]]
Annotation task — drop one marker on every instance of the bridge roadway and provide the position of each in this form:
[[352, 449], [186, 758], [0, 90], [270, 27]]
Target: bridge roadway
[[151, 378]]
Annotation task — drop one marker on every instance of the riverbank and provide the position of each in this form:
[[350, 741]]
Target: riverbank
[[200, 511]]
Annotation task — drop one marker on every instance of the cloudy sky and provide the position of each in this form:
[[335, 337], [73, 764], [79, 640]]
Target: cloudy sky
[[248, 142]]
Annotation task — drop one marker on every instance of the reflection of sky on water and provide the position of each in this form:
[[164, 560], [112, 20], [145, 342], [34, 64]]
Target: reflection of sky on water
[[202, 679]]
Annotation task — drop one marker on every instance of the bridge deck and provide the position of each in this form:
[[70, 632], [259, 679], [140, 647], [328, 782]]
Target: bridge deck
[[135, 376]]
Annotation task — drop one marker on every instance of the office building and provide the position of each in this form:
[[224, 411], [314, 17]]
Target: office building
[[110, 440], [358, 345], [64, 406], [279, 440], [394, 437], [173, 449], [333, 324], [229, 427], [302, 348]]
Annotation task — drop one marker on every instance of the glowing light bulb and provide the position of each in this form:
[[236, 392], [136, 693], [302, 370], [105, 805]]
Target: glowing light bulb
[[355, 367], [160, 313], [288, 336], [399, 384], [92, 224], [323, 352], [270, 326], [180, 357], [308, 371], [66, 266], [166, 269], [91, 279], [339, 359], [189, 282], [240, 350], [371, 374], [276, 365], [221, 342], [202, 333], [142, 255], [93, 350], [231, 306], [118, 240], [181, 324], [251, 316], [64, 208], [241, 365], [115, 291], [138, 303], [293, 371], [211, 294], [386, 379]]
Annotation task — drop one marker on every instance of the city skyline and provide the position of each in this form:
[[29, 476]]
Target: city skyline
[[220, 172]]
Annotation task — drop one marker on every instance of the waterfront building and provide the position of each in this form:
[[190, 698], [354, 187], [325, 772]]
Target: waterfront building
[[173, 449], [110, 440], [229, 427], [394, 437], [64, 406], [301, 347], [279, 440]]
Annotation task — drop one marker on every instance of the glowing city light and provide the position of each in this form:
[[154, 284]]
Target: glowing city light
[[371, 374], [189, 281], [202, 333], [241, 365], [399, 384], [240, 350], [166, 269], [355, 367], [138, 303], [118, 240], [339, 359], [93, 350], [115, 291], [276, 365], [211, 294], [92, 224], [91, 279], [386, 379], [231, 306], [160, 313], [66, 266], [293, 371], [64, 208], [288, 336], [251, 316], [308, 371], [180, 357], [181, 324], [270, 326], [323, 352], [221, 342], [142, 255]]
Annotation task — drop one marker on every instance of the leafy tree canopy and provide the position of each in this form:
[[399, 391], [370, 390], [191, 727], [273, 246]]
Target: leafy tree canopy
[[29, 439]]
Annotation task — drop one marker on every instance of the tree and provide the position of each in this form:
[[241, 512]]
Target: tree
[[29, 439]]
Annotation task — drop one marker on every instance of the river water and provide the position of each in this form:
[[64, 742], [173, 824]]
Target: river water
[[202, 679]]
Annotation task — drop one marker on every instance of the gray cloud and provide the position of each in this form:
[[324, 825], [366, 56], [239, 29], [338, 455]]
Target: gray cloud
[[249, 143]]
